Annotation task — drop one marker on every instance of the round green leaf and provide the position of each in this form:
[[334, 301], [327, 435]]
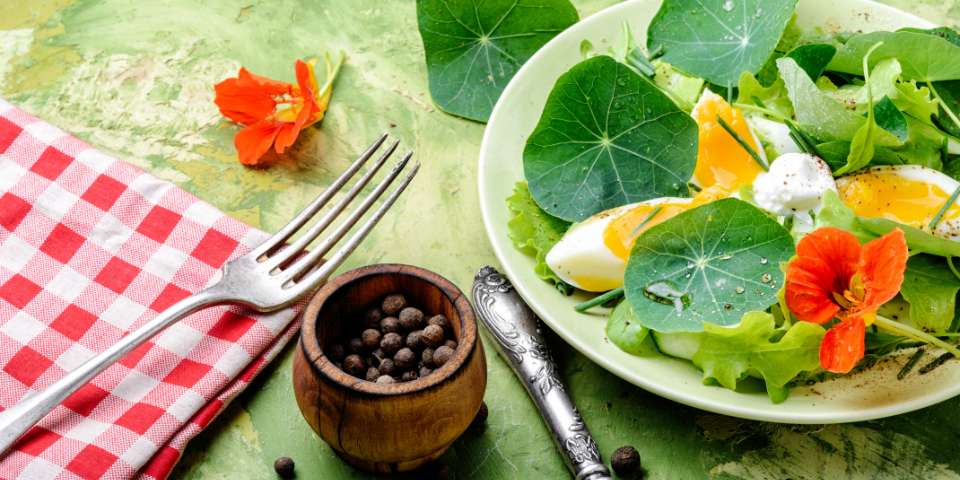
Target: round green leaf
[[722, 260], [719, 39], [474, 47], [607, 137]]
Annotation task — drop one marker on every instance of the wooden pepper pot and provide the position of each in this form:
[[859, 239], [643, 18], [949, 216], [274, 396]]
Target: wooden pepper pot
[[388, 427]]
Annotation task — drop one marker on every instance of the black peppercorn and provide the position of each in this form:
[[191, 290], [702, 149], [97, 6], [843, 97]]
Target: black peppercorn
[[411, 319], [408, 376], [426, 357], [354, 365], [424, 371], [355, 345], [336, 352], [405, 359], [450, 343], [372, 318], [390, 343], [440, 321], [625, 460], [370, 339], [386, 379], [432, 336], [390, 325], [480, 420], [372, 374], [415, 340], [442, 355], [392, 304], [387, 367], [284, 467]]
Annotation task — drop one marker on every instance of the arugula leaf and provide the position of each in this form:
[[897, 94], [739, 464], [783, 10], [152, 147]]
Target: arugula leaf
[[534, 232], [861, 147], [710, 264], [813, 58], [719, 39], [729, 354], [474, 47], [835, 155], [835, 214], [625, 331], [931, 289], [923, 57], [607, 137], [890, 118], [773, 97]]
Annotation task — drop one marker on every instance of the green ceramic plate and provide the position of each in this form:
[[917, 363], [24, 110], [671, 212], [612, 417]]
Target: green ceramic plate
[[872, 394]]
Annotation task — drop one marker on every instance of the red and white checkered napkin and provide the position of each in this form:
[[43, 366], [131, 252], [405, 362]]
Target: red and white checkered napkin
[[90, 249]]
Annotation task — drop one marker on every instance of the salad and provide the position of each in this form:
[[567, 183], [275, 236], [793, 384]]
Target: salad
[[769, 204]]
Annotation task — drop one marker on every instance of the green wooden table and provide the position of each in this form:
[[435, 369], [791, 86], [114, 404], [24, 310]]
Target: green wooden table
[[134, 78]]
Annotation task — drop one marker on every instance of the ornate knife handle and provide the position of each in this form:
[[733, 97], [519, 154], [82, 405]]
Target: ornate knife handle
[[517, 331]]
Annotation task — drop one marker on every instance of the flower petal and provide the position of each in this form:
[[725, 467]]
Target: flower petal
[[253, 141], [248, 98], [884, 261], [307, 83], [843, 345], [839, 249], [809, 289]]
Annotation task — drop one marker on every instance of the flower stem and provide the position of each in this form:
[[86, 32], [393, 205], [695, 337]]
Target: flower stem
[[894, 326]]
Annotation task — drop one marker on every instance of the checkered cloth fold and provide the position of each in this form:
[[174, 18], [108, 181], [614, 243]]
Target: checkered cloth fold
[[90, 249]]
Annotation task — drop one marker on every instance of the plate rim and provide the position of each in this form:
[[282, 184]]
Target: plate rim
[[701, 402]]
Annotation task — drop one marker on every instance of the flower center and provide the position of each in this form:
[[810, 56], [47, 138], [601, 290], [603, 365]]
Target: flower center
[[853, 295]]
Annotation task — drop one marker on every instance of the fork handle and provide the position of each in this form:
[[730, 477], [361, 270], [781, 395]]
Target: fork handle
[[16, 420]]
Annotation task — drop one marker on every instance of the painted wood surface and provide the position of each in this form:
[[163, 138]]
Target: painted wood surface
[[134, 78]]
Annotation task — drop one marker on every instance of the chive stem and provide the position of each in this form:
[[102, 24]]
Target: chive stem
[[943, 104], [743, 143], [761, 109], [653, 213], [936, 363], [599, 300], [903, 330], [910, 364], [943, 210], [694, 187]]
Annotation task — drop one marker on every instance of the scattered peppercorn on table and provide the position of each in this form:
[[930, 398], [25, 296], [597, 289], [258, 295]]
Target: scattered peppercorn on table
[[142, 88]]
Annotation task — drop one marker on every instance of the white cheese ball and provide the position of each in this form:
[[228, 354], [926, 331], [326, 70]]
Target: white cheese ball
[[794, 185]]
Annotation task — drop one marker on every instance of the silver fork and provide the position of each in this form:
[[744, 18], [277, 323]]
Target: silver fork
[[270, 277]]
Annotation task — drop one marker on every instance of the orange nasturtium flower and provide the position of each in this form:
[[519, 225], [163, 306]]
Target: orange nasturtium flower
[[834, 276], [273, 113]]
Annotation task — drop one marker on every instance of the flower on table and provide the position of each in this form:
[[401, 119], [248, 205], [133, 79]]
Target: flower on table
[[273, 113], [833, 276]]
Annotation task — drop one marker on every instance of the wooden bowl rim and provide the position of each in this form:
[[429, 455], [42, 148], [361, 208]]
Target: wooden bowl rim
[[310, 342]]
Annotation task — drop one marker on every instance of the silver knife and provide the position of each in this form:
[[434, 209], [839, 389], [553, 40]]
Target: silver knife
[[519, 340]]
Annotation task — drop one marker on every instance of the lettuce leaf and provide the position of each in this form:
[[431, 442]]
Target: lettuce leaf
[[773, 97], [535, 232], [931, 289], [729, 354], [625, 331]]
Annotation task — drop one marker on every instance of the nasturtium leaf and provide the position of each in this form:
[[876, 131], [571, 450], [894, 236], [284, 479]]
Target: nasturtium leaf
[[607, 137], [625, 331], [474, 47], [534, 232], [890, 118], [719, 39], [729, 354], [931, 289], [710, 264], [945, 33], [813, 58], [923, 57], [773, 97], [836, 214]]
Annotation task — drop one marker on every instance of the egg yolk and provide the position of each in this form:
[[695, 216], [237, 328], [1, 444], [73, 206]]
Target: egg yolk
[[886, 194], [720, 159], [622, 232]]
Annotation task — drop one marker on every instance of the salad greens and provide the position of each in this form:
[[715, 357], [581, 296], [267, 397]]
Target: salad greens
[[719, 39], [474, 47], [535, 232], [931, 290], [625, 331], [813, 58], [924, 57], [711, 264], [607, 137]]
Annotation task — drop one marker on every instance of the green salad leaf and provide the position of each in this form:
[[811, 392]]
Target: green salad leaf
[[835, 155], [625, 331], [607, 137], [729, 354], [931, 289], [923, 57], [535, 232], [773, 97], [813, 58], [890, 118], [682, 88], [835, 214], [719, 39], [710, 264], [474, 47]]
